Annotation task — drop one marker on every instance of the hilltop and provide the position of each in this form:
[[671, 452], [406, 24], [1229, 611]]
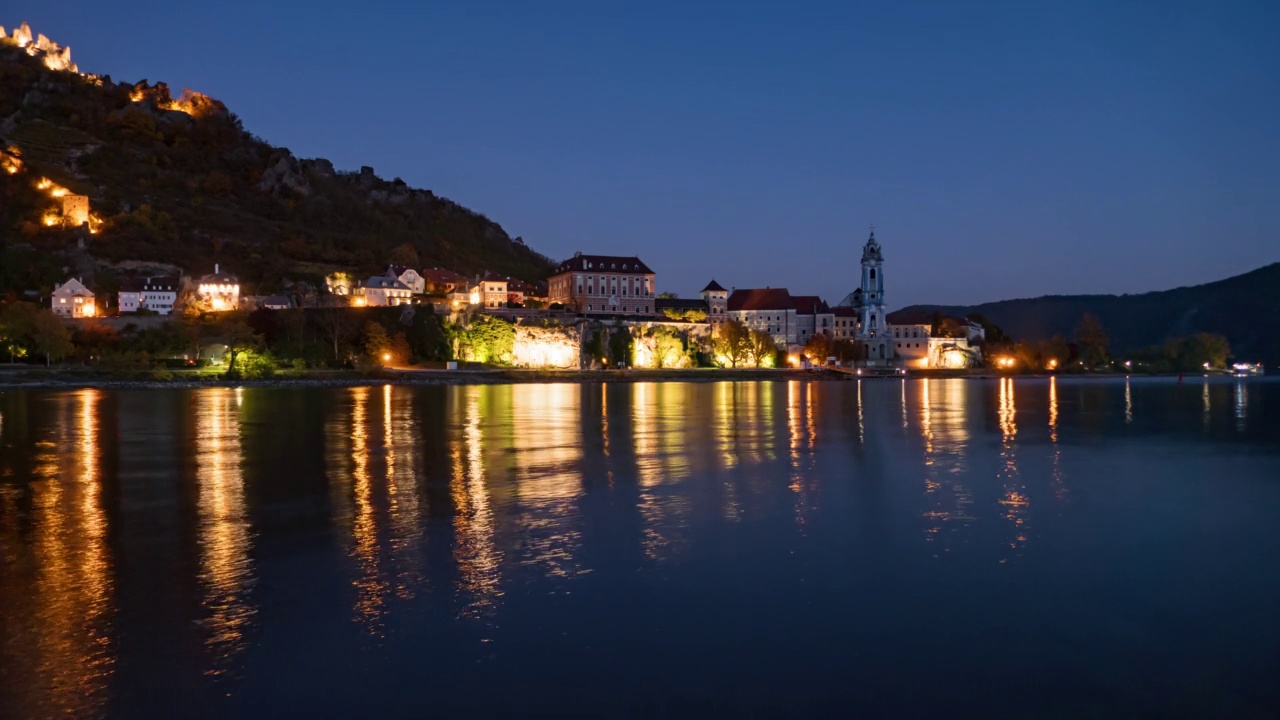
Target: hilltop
[[1242, 308], [179, 182]]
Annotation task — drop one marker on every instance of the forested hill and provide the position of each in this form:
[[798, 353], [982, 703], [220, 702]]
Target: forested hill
[[181, 182], [1245, 309]]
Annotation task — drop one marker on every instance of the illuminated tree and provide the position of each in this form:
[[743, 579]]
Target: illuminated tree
[[820, 347], [731, 342], [761, 349], [239, 339], [377, 344]]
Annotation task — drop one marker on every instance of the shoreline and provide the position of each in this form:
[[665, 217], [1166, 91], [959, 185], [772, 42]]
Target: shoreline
[[72, 379]]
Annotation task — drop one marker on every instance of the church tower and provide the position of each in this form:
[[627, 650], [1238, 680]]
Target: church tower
[[873, 332]]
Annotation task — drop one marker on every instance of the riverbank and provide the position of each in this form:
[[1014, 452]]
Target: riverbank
[[19, 377], [25, 377]]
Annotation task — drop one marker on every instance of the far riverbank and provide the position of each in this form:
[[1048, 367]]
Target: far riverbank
[[19, 377]]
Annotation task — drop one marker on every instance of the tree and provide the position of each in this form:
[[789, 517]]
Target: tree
[[620, 346], [761, 349], [17, 324], [666, 296], [819, 348], [239, 338], [731, 342], [93, 339], [50, 336], [405, 254], [335, 323], [991, 332], [377, 343], [1092, 341], [668, 347]]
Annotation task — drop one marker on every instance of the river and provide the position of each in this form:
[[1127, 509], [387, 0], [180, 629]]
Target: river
[[1004, 547]]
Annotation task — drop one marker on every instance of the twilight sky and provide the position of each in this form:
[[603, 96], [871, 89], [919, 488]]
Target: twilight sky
[[1008, 150]]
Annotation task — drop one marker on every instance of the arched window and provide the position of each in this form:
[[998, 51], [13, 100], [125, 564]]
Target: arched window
[[873, 273]]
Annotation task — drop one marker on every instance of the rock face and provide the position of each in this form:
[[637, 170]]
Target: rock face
[[286, 172]]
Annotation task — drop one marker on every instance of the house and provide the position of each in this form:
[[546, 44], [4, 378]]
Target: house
[[72, 299], [916, 345], [219, 291], [604, 285], [409, 278], [382, 291], [790, 319], [490, 291], [440, 281], [158, 294], [340, 283], [276, 302]]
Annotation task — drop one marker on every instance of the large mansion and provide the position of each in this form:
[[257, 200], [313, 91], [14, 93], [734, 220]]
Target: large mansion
[[603, 285]]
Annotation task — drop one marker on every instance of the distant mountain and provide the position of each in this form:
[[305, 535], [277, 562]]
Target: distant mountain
[[1245, 309], [180, 182]]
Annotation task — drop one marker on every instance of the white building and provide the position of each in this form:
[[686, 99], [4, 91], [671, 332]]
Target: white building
[[917, 347], [72, 299], [408, 277], [159, 295], [219, 291], [380, 291], [790, 319]]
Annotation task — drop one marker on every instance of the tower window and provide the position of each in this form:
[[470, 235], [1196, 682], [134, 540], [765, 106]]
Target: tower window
[[873, 273]]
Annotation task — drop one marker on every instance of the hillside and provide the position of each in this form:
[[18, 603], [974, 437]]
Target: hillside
[[1245, 309], [181, 182]]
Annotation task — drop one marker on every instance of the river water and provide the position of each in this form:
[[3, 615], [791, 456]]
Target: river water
[[1015, 547]]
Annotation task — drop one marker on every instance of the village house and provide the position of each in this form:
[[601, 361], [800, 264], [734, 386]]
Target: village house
[[409, 278], [72, 299], [381, 291], [220, 291], [604, 285], [440, 281], [490, 291], [158, 295]]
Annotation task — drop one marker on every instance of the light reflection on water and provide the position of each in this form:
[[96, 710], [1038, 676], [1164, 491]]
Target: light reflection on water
[[456, 516]]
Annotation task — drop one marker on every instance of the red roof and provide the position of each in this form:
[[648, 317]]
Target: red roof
[[760, 299], [440, 275], [603, 263]]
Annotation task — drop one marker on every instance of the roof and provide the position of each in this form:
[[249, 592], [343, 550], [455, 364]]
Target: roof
[[382, 282], [713, 286], [491, 276], [844, 311], [398, 270], [276, 300], [660, 304], [852, 300], [603, 263], [809, 304], [441, 275], [153, 284], [220, 278], [909, 317], [871, 251], [760, 299]]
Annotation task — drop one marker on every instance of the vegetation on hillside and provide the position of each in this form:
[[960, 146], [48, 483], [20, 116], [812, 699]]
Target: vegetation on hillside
[[1241, 309], [190, 187]]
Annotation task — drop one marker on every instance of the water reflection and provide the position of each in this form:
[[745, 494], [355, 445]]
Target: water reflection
[[1014, 500], [1055, 471], [943, 413], [547, 483], [226, 570], [61, 644], [1242, 405], [1128, 402], [475, 553]]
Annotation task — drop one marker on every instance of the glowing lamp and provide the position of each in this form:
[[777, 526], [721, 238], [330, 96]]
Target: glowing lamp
[[386, 357]]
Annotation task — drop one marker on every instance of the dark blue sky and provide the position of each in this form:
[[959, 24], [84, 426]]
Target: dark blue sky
[[1001, 151]]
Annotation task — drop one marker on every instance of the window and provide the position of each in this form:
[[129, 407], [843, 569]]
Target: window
[[873, 273]]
